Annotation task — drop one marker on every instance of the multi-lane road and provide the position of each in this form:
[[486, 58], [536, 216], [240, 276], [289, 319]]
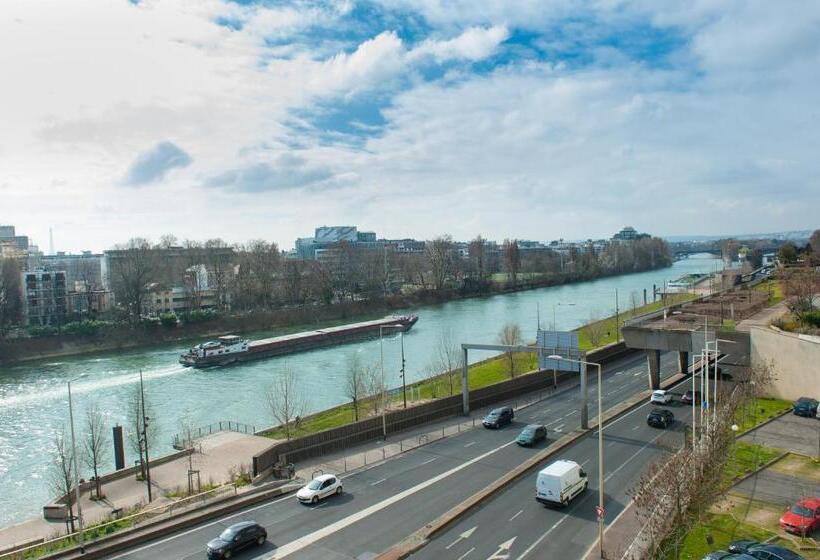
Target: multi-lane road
[[387, 502]]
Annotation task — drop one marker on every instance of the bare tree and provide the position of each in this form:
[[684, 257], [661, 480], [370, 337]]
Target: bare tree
[[374, 387], [11, 304], [512, 259], [132, 267], [140, 433], [440, 253], [800, 284], [510, 335], [355, 383], [286, 400], [478, 259], [94, 444], [594, 329], [448, 357], [62, 472]]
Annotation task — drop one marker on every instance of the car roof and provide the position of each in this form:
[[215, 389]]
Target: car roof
[[773, 548], [533, 426], [500, 409], [324, 477], [242, 525], [662, 391]]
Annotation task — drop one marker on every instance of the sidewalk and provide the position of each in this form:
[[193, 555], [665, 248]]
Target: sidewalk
[[763, 318], [215, 460]]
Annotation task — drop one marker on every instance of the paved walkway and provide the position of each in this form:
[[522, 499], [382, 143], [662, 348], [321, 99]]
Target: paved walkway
[[216, 459], [763, 318]]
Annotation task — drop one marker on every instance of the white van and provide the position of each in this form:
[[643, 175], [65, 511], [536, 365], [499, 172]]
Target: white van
[[560, 482]]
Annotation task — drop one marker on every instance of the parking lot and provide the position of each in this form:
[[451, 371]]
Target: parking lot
[[790, 433]]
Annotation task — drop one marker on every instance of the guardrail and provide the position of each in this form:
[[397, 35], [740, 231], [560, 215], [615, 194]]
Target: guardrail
[[98, 531], [182, 440]]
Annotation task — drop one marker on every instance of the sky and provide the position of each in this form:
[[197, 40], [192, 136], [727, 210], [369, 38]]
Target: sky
[[412, 118]]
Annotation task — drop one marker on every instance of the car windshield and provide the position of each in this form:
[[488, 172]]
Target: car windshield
[[228, 534], [801, 511], [527, 431], [314, 484], [493, 414]]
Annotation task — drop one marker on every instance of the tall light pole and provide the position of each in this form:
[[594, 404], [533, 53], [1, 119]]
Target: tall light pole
[[76, 469], [145, 420], [600, 451], [381, 360]]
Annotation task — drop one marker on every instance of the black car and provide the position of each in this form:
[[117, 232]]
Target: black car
[[499, 417], [805, 406], [741, 545], [660, 418], [772, 552], [723, 555], [235, 538], [531, 435], [689, 395]]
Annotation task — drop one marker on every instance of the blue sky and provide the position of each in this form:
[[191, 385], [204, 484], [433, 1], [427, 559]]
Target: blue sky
[[538, 120]]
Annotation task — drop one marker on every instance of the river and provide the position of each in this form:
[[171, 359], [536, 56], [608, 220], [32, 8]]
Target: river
[[34, 403]]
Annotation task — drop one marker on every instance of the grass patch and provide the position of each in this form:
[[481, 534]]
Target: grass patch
[[773, 288], [758, 411], [747, 458], [721, 529], [608, 327]]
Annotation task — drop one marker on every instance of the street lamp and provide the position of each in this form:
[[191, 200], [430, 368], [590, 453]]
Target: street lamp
[[600, 451], [381, 359], [74, 453]]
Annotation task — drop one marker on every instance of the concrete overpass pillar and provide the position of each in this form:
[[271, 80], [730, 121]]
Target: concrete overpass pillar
[[465, 387], [683, 362], [653, 359]]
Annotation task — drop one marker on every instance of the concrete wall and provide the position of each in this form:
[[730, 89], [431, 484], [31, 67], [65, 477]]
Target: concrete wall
[[796, 361]]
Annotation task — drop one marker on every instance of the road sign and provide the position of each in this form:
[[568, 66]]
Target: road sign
[[600, 512]]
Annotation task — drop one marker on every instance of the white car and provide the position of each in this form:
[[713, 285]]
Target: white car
[[319, 488], [661, 397]]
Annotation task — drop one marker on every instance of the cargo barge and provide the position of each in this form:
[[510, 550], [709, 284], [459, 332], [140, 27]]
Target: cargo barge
[[232, 349]]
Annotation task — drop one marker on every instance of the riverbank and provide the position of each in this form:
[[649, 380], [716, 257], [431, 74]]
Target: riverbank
[[284, 320]]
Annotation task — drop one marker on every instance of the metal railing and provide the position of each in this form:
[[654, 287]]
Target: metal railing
[[182, 440]]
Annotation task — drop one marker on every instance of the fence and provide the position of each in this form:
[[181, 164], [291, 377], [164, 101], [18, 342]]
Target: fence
[[183, 440], [98, 531]]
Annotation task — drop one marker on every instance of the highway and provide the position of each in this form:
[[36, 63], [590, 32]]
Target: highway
[[385, 503]]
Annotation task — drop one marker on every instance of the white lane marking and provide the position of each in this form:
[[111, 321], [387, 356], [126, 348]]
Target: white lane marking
[[611, 443], [570, 414], [463, 556], [546, 410], [542, 537], [193, 530], [465, 535], [625, 463], [309, 539], [472, 443], [377, 482], [516, 515], [559, 428], [503, 552], [428, 461], [635, 428]]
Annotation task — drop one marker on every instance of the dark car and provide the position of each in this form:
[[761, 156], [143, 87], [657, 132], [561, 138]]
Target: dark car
[[805, 406], [531, 434], [499, 417], [741, 545], [689, 395], [660, 418], [772, 552], [235, 538], [723, 555]]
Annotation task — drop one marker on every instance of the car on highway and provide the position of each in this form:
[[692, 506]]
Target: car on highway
[[235, 538], [803, 518], [689, 395], [660, 418], [805, 406], [660, 397], [499, 417], [560, 482], [531, 434], [319, 488], [761, 551]]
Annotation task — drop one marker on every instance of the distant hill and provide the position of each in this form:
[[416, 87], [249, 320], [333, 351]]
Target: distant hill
[[799, 235]]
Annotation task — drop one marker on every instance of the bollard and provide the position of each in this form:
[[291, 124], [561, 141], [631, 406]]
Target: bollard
[[383, 453], [345, 459], [401, 446], [365, 458], [442, 431], [459, 427]]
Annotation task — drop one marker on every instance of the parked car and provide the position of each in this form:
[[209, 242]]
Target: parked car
[[499, 417], [741, 545], [723, 555], [560, 482], [772, 552], [805, 406], [688, 395], [660, 397], [235, 538], [660, 418], [531, 435], [319, 488], [802, 518]]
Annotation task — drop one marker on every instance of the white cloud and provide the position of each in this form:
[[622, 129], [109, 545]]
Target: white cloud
[[476, 43]]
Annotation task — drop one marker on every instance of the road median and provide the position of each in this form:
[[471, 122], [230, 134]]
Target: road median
[[422, 536]]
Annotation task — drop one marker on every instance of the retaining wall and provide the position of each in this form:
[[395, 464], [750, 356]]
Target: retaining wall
[[796, 361]]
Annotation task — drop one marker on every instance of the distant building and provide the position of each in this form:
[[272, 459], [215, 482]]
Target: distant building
[[44, 297], [177, 299], [629, 234], [85, 268], [326, 237]]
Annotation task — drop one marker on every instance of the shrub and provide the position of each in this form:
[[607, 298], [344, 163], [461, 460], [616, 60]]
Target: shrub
[[812, 318], [44, 330], [200, 315], [168, 320], [88, 327]]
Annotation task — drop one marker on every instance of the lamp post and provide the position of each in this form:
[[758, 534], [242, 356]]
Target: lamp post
[[76, 469], [600, 451], [381, 359]]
